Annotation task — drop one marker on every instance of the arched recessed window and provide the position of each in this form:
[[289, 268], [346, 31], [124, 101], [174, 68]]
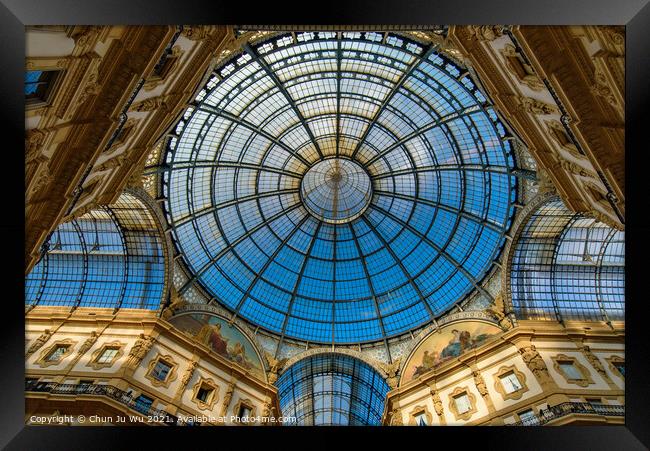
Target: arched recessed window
[[110, 257], [332, 389], [567, 266]]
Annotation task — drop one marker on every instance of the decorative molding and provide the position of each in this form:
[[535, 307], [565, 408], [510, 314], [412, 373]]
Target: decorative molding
[[213, 397], [458, 391], [171, 376], [38, 342], [485, 32], [227, 397], [246, 402], [536, 364], [98, 353], [611, 361], [139, 350], [498, 385], [520, 68], [390, 371], [586, 376], [88, 343], [43, 363], [418, 410]]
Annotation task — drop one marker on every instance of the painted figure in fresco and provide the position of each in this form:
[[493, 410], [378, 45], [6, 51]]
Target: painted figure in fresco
[[238, 354], [210, 334]]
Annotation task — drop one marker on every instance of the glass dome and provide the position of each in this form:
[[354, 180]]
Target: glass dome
[[338, 187]]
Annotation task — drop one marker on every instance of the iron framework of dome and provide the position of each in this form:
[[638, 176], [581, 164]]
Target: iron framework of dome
[[338, 187]]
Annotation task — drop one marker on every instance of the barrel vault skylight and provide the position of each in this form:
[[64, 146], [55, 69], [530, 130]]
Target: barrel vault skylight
[[338, 187]]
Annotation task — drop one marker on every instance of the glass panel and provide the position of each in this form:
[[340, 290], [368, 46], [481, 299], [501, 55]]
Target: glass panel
[[510, 382], [570, 370], [332, 389], [462, 403], [339, 188]]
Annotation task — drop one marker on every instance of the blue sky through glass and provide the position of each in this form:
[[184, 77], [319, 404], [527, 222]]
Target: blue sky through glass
[[414, 122]]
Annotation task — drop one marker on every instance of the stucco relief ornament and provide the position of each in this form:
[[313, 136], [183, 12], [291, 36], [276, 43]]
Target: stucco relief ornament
[[227, 398], [396, 418], [88, 343], [485, 32], [595, 362], [498, 312], [437, 403], [33, 143], [535, 106], [139, 350], [176, 303], [480, 383], [535, 362], [39, 342], [275, 366], [150, 104], [391, 370], [267, 411], [188, 373]]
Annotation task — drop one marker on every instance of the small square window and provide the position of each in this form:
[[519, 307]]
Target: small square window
[[620, 367], [421, 419], [204, 393], [462, 403], [107, 355], [244, 411], [161, 370], [510, 382], [57, 353], [570, 370]]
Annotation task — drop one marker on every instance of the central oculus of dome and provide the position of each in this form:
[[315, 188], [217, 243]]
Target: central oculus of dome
[[336, 190]]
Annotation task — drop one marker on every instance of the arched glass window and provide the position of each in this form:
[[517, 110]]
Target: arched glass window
[[332, 389], [109, 257], [566, 266]]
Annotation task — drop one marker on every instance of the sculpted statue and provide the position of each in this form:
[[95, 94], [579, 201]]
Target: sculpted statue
[[396, 418], [480, 383], [391, 370], [437, 402], [275, 366], [485, 32], [139, 350], [267, 412], [176, 302], [188, 373], [39, 342], [535, 362], [595, 362], [86, 345], [227, 398]]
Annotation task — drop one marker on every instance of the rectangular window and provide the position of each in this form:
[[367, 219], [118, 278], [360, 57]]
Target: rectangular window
[[421, 419], [510, 382], [203, 394], [462, 403], [161, 370], [570, 370], [107, 355], [38, 84], [57, 353], [244, 411]]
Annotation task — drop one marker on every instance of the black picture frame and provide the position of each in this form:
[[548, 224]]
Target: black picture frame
[[634, 14]]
